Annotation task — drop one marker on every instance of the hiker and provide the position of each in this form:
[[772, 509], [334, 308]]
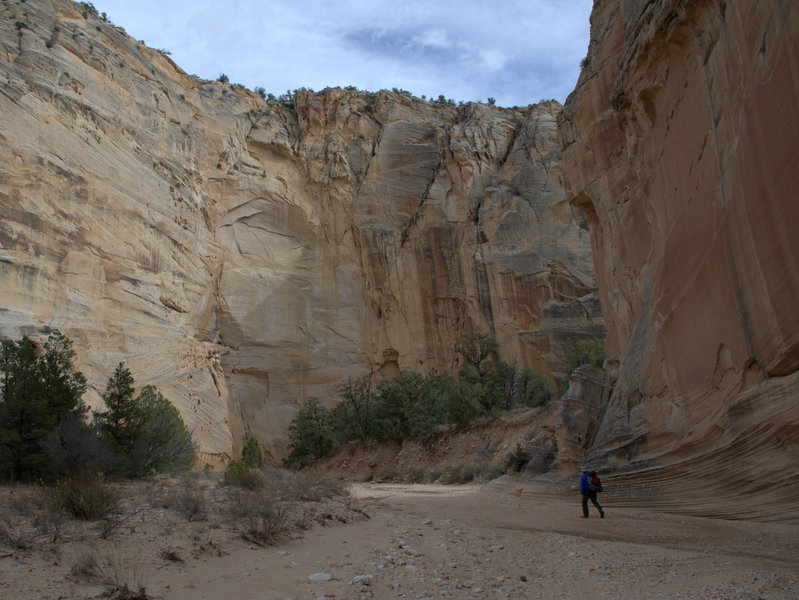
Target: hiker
[[589, 486]]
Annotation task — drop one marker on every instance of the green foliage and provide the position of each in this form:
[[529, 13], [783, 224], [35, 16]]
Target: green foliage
[[43, 421], [144, 433], [310, 434], [517, 459], [411, 405], [38, 393], [533, 390], [163, 443], [118, 424], [245, 472], [223, 78], [240, 475], [251, 454], [415, 405], [586, 352], [354, 418]]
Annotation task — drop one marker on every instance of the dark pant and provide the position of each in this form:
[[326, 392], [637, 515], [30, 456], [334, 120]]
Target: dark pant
[[592, 497]]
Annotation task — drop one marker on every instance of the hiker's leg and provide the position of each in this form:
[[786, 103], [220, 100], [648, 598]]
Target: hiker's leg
[[585, 505], [595, 503]]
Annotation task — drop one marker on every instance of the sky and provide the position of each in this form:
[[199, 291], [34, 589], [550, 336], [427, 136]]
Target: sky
[[517, 52]]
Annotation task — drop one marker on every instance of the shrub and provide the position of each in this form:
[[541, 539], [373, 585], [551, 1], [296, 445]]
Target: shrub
[[517, 459], [415, 405], [188, 501], [586, 352], [240, 475], [259, 516], [310, 434], [87, 497], [308, 487], [223, 78], [119, 573], [470, 471], [251, 454]]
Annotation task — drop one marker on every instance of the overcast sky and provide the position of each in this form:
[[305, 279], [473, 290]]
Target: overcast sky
[[515, 51]]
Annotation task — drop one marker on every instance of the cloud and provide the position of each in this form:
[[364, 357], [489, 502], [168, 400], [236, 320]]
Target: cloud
[[433, 38], [518, 51]]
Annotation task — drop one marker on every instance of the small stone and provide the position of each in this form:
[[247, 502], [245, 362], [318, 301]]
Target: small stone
[[362, 579], [320, 577]]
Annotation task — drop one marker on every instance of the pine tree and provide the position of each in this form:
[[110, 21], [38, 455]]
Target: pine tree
[[145, 433], [118, 424], [38, 394]]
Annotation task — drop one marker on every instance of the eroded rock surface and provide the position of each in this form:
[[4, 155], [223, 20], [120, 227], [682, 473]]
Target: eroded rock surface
[[680, 149], [245, 255]]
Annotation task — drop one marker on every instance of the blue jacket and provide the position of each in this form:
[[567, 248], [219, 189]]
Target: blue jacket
[[585, 479]]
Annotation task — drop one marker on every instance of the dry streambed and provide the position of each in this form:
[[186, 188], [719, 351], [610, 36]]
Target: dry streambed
[[401, 541]]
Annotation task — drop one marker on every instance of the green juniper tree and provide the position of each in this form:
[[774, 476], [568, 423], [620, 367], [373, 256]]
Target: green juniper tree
[[39, 393], [162, 442], [251, 454], [310, 434], [145, 433]]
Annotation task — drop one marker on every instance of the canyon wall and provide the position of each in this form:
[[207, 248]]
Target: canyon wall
[[680, 149], [245, 254]]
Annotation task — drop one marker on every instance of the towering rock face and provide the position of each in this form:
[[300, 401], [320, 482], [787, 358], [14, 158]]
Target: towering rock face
[[245, 255], [680, 148]]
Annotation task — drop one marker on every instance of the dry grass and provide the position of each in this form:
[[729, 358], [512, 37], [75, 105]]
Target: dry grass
[[169, 521], [87, 498], [122, 575]]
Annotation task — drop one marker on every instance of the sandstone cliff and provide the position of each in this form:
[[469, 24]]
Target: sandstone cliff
[[246, 255], [680, 148]]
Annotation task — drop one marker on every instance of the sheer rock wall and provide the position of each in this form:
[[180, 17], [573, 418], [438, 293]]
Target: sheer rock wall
[[680, 148], [245, 255]]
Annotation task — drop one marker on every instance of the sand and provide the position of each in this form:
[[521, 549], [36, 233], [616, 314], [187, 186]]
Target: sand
[[501, 540]]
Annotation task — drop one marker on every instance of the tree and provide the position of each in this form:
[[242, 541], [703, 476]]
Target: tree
[[411, 405], [63, 386], [251, 454], [38, 393], [145, 433], [310, 434], [118, 423], [354, 417], [162, 442], [478, 352]]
